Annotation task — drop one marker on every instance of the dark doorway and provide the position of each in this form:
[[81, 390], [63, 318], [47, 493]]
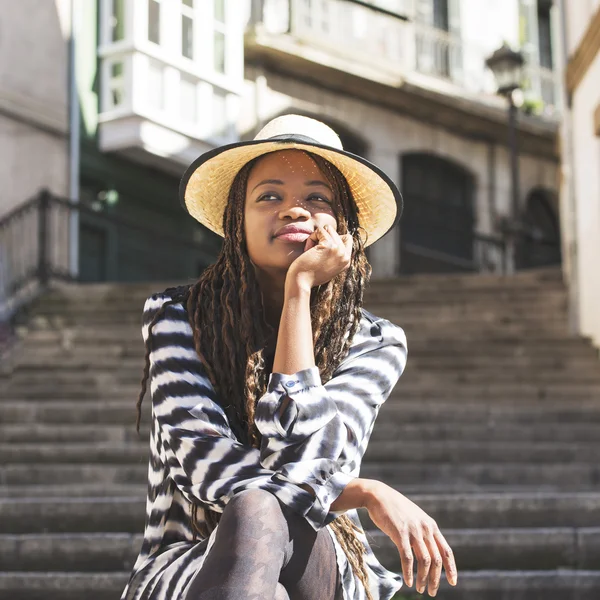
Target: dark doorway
[[540, 245], [437, 225]]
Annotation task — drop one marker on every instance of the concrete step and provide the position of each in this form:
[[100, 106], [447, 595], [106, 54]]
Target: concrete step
[[40, 433], [472, 585], [70, 473], [523, 548], [428, 324], [547, 476], [474, 549], [467, 451], [80, 369], [428, 409], [458, 362], [497, 311], [89, 552], [550, 476], [117, 514], [121, 412], [380, 451], [124, 513], [80, 453], [504, 508], [413, 386], [126, 340], [436, 353], [494, 432], [75, 490], [43, 585], [497, 378], [559, 584]]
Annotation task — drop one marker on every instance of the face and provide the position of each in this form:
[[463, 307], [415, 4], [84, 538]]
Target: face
[[285, 188]]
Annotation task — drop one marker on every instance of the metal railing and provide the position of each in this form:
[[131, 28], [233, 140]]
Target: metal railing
[[487, 254], [35, 248], [365, 33]]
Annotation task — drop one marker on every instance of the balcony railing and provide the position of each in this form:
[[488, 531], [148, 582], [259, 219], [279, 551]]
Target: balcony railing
[[367, 36]]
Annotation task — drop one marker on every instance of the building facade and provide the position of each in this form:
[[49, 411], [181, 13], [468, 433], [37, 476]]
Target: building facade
[[404, 82], [580, 182]]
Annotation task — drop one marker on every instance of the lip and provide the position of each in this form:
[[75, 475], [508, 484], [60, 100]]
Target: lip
[[287, 230], [296, 236]]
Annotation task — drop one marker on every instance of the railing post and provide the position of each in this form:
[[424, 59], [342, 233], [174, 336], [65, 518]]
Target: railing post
[[43, 235]]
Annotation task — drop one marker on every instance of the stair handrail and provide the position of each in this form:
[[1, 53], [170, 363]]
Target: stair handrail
[[32, 267]]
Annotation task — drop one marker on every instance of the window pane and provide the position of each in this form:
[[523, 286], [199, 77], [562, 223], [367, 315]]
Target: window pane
[[116, 84], [219, 52], [188, 100], [187, 36], [118, 20], [189, 3], [154, 21], [116, 69], [220, 10], [155, 86], [116, 96], [219, 116]]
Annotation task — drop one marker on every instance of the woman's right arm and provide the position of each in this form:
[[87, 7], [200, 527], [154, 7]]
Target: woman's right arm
[[204, 458]]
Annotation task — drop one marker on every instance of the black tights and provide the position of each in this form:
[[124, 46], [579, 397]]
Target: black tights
[[264, 551]]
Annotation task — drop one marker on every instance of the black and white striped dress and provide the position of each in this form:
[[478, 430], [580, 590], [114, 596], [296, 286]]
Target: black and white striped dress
[[319, 440]]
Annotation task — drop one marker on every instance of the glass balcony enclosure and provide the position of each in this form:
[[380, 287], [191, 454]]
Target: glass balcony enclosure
[[171, 75], [425, 42]]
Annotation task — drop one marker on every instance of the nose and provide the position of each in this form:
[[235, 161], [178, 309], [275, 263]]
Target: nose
[[294, 209]]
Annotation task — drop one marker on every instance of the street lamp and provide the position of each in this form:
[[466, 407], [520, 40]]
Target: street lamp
[[507, 66]]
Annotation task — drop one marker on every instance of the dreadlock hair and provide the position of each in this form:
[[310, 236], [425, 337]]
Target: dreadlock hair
[[225, 311]]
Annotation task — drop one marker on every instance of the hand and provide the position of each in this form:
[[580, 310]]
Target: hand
[[326, 254], [407, 525]]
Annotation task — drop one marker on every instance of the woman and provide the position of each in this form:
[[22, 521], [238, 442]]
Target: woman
[[266, 377]]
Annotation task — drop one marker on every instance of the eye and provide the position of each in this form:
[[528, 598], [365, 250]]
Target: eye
[[319, 197], [268, 196]]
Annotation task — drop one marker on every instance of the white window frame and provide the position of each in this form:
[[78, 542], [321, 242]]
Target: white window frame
[[193, 14], [137, 53], [109, 83]]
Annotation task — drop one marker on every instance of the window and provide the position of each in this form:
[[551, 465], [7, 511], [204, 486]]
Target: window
[[156, 85], [219, 51], [187, 100], [220, 11], [117, 20], [116, 84], [154, 21], [545, 34], [187, 29], [219, 116], [439, 216], [440, 15]]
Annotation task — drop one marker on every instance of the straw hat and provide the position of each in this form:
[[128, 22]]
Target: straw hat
[[205, 185]]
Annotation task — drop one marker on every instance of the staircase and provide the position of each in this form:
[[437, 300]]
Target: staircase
[[494, 430]]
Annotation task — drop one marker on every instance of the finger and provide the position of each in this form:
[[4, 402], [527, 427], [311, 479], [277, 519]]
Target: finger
[[447, 558], [435, 571], [339, 243], [318, 236], [335, 236], [331, 235], [423, 562], [406, 559], [348, 242]]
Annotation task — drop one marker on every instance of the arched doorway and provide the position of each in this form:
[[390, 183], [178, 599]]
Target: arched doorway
[[437, 225], [540, 244]]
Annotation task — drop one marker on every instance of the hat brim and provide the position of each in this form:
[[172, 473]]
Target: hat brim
[[205, 185]]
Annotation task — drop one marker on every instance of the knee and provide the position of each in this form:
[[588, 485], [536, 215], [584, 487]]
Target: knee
[[254, 502]]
